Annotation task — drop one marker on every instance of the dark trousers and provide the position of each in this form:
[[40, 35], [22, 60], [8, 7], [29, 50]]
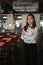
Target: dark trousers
[[30, 53]]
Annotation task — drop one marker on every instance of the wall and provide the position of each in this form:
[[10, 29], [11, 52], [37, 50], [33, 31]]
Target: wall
[[10, 21]]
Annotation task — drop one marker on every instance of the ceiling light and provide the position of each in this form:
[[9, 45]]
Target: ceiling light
[[9, 25], [41, 23], [4, 17], [19, 17]]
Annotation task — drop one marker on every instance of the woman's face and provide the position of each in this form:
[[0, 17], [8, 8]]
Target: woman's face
[[30, 20]]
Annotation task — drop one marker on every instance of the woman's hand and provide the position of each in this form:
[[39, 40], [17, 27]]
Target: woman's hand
[[33, 34], [23, 33]]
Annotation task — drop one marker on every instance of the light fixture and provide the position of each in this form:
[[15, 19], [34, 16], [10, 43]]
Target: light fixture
[[0, 25], [19, 17], [9, 25], [17, 23], [20, 21], [41, 23], [4, 17]]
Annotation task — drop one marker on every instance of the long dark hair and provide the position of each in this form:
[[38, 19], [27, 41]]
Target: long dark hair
[[34, 23]]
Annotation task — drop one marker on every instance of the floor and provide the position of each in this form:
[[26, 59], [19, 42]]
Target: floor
[[16, 57]]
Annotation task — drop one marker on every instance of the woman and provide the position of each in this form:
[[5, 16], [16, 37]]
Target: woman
[[29, 39]]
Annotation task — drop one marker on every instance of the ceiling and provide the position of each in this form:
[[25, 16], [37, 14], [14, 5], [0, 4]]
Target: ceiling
[[21, 0], [25, 7], [7, 6]]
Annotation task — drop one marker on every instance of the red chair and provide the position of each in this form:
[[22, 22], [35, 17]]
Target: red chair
[[15, 36], [11, 38], [8, 38], [2, 35], [3, 51], [3, 47], [2, 43], [11, 41]]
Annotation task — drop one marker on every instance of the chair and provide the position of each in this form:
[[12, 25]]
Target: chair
[[3, 51]]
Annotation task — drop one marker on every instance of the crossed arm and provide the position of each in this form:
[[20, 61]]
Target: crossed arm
[[32, 36]]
